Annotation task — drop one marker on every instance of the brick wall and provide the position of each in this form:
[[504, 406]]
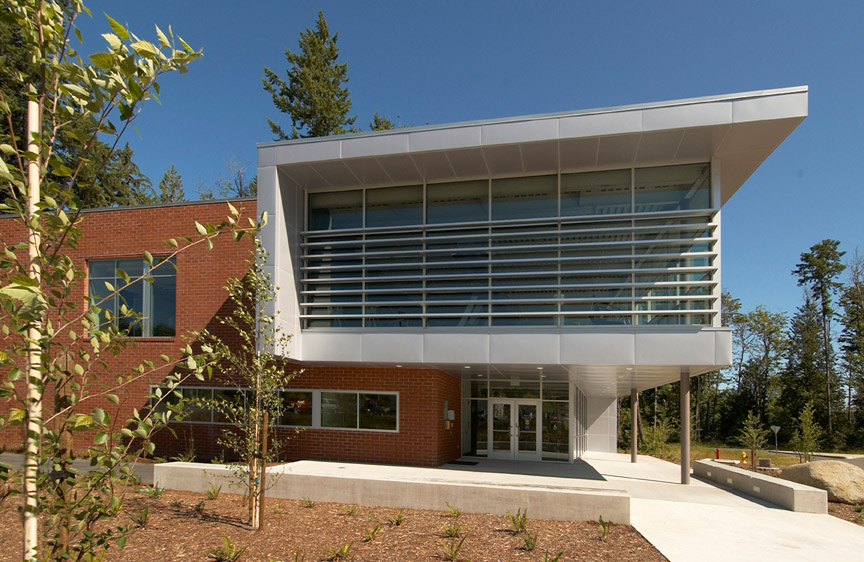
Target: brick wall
[[422, 438], [201, 275]]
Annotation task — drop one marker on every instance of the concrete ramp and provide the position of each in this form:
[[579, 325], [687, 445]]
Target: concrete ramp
[[409, 487]]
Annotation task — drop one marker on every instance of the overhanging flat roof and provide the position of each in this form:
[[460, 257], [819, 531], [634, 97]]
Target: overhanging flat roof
[[740, 130]]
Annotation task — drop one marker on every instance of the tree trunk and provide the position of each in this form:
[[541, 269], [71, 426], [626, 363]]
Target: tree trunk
[[35, 382]]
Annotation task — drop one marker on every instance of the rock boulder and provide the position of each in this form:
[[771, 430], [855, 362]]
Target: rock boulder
[[844, 482]]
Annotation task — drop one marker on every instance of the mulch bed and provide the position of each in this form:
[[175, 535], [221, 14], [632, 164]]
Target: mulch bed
[[176, 531], [846, 512]]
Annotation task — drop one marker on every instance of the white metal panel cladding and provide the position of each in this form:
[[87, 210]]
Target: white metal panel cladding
[[629, 269]]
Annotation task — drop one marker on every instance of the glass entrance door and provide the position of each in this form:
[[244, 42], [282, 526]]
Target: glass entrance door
[[514, 431]]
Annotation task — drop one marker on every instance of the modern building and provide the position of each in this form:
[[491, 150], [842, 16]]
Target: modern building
[[522, 272], [486, 288]]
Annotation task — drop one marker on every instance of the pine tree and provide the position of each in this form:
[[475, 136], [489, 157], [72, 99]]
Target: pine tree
[[852, 336], [801, 381], [381, 123], [314, 97], [818, 270], [171, 186]]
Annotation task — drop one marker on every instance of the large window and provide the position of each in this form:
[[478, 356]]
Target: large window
[[299, 408], [607, 247], [146, 308]]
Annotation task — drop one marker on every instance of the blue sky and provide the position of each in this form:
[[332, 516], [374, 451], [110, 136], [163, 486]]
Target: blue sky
[[447, 61]]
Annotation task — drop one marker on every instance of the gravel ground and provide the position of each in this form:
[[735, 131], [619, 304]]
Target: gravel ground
[[295, 531]]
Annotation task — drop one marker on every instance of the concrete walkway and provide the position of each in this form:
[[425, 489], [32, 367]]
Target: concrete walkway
[[705, 522]]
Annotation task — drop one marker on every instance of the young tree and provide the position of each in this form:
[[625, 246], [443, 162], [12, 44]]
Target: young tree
[[249, 363], [171, 187], [315, 97], [48, 342], [818, 270], [108, 177], [805, 441], [753, 436]]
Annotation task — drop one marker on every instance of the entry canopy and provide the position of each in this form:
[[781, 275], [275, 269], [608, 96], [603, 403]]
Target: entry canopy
[[739, 130]]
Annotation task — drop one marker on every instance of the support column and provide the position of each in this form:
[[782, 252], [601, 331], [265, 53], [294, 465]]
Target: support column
[[685, 427], [634, 427]]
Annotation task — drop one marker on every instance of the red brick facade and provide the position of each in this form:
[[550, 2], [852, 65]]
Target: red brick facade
[[421, 439]]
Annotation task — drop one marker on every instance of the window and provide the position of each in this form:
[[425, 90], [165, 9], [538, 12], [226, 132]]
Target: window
[[151, 304], [375, 411]]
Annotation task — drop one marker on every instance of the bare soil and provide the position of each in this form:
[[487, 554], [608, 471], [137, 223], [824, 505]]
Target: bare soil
[[293, 530]]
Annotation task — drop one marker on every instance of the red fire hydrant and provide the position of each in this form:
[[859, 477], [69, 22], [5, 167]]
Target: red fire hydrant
[[717, 454]]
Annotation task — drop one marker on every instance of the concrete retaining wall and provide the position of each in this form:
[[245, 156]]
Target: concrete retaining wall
[[542, 502], [786, 494]]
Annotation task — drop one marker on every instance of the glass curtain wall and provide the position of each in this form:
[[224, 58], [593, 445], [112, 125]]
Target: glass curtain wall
[[614, 247]]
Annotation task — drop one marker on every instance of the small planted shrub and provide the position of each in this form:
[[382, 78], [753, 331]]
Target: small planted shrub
[[152, 491], [308, 503], [350, 510], [452, 547], [227, 552], [604, 528], [529, 540], [140, 516], [396, 520], [548, 558], [455, 512], [340, 553], [199, 507], [213, 492], [519, 521], [369, 534], [453, 529]]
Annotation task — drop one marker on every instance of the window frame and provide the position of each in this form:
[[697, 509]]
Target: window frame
[[147, 300]]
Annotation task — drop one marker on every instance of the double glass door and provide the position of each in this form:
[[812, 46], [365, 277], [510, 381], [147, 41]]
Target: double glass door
[[514, 429]]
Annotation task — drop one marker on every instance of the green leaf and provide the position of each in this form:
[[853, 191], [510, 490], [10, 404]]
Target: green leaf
[[17, 415], [118, 29], [171, 242], [163, 40], [200, 228], [113, 398], [144, 48], [148, 258], [105, 61], [101, 438], [82, 420]]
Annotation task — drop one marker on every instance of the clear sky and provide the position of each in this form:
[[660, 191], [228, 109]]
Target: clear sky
[[447, 61]]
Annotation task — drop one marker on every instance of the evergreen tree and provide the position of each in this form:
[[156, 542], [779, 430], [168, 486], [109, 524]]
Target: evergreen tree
[[852, 339], [801, 381], [315, 96], [818, 270], [171, 186], [381, 123]]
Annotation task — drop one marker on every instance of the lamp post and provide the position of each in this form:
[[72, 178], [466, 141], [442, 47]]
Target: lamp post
[[775, 429]]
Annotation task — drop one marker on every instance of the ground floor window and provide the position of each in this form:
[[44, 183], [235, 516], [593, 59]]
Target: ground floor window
[[376, 411]]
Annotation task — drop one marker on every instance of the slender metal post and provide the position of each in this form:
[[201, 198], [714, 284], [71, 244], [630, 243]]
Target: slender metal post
[[634, 426], [685, 428]]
